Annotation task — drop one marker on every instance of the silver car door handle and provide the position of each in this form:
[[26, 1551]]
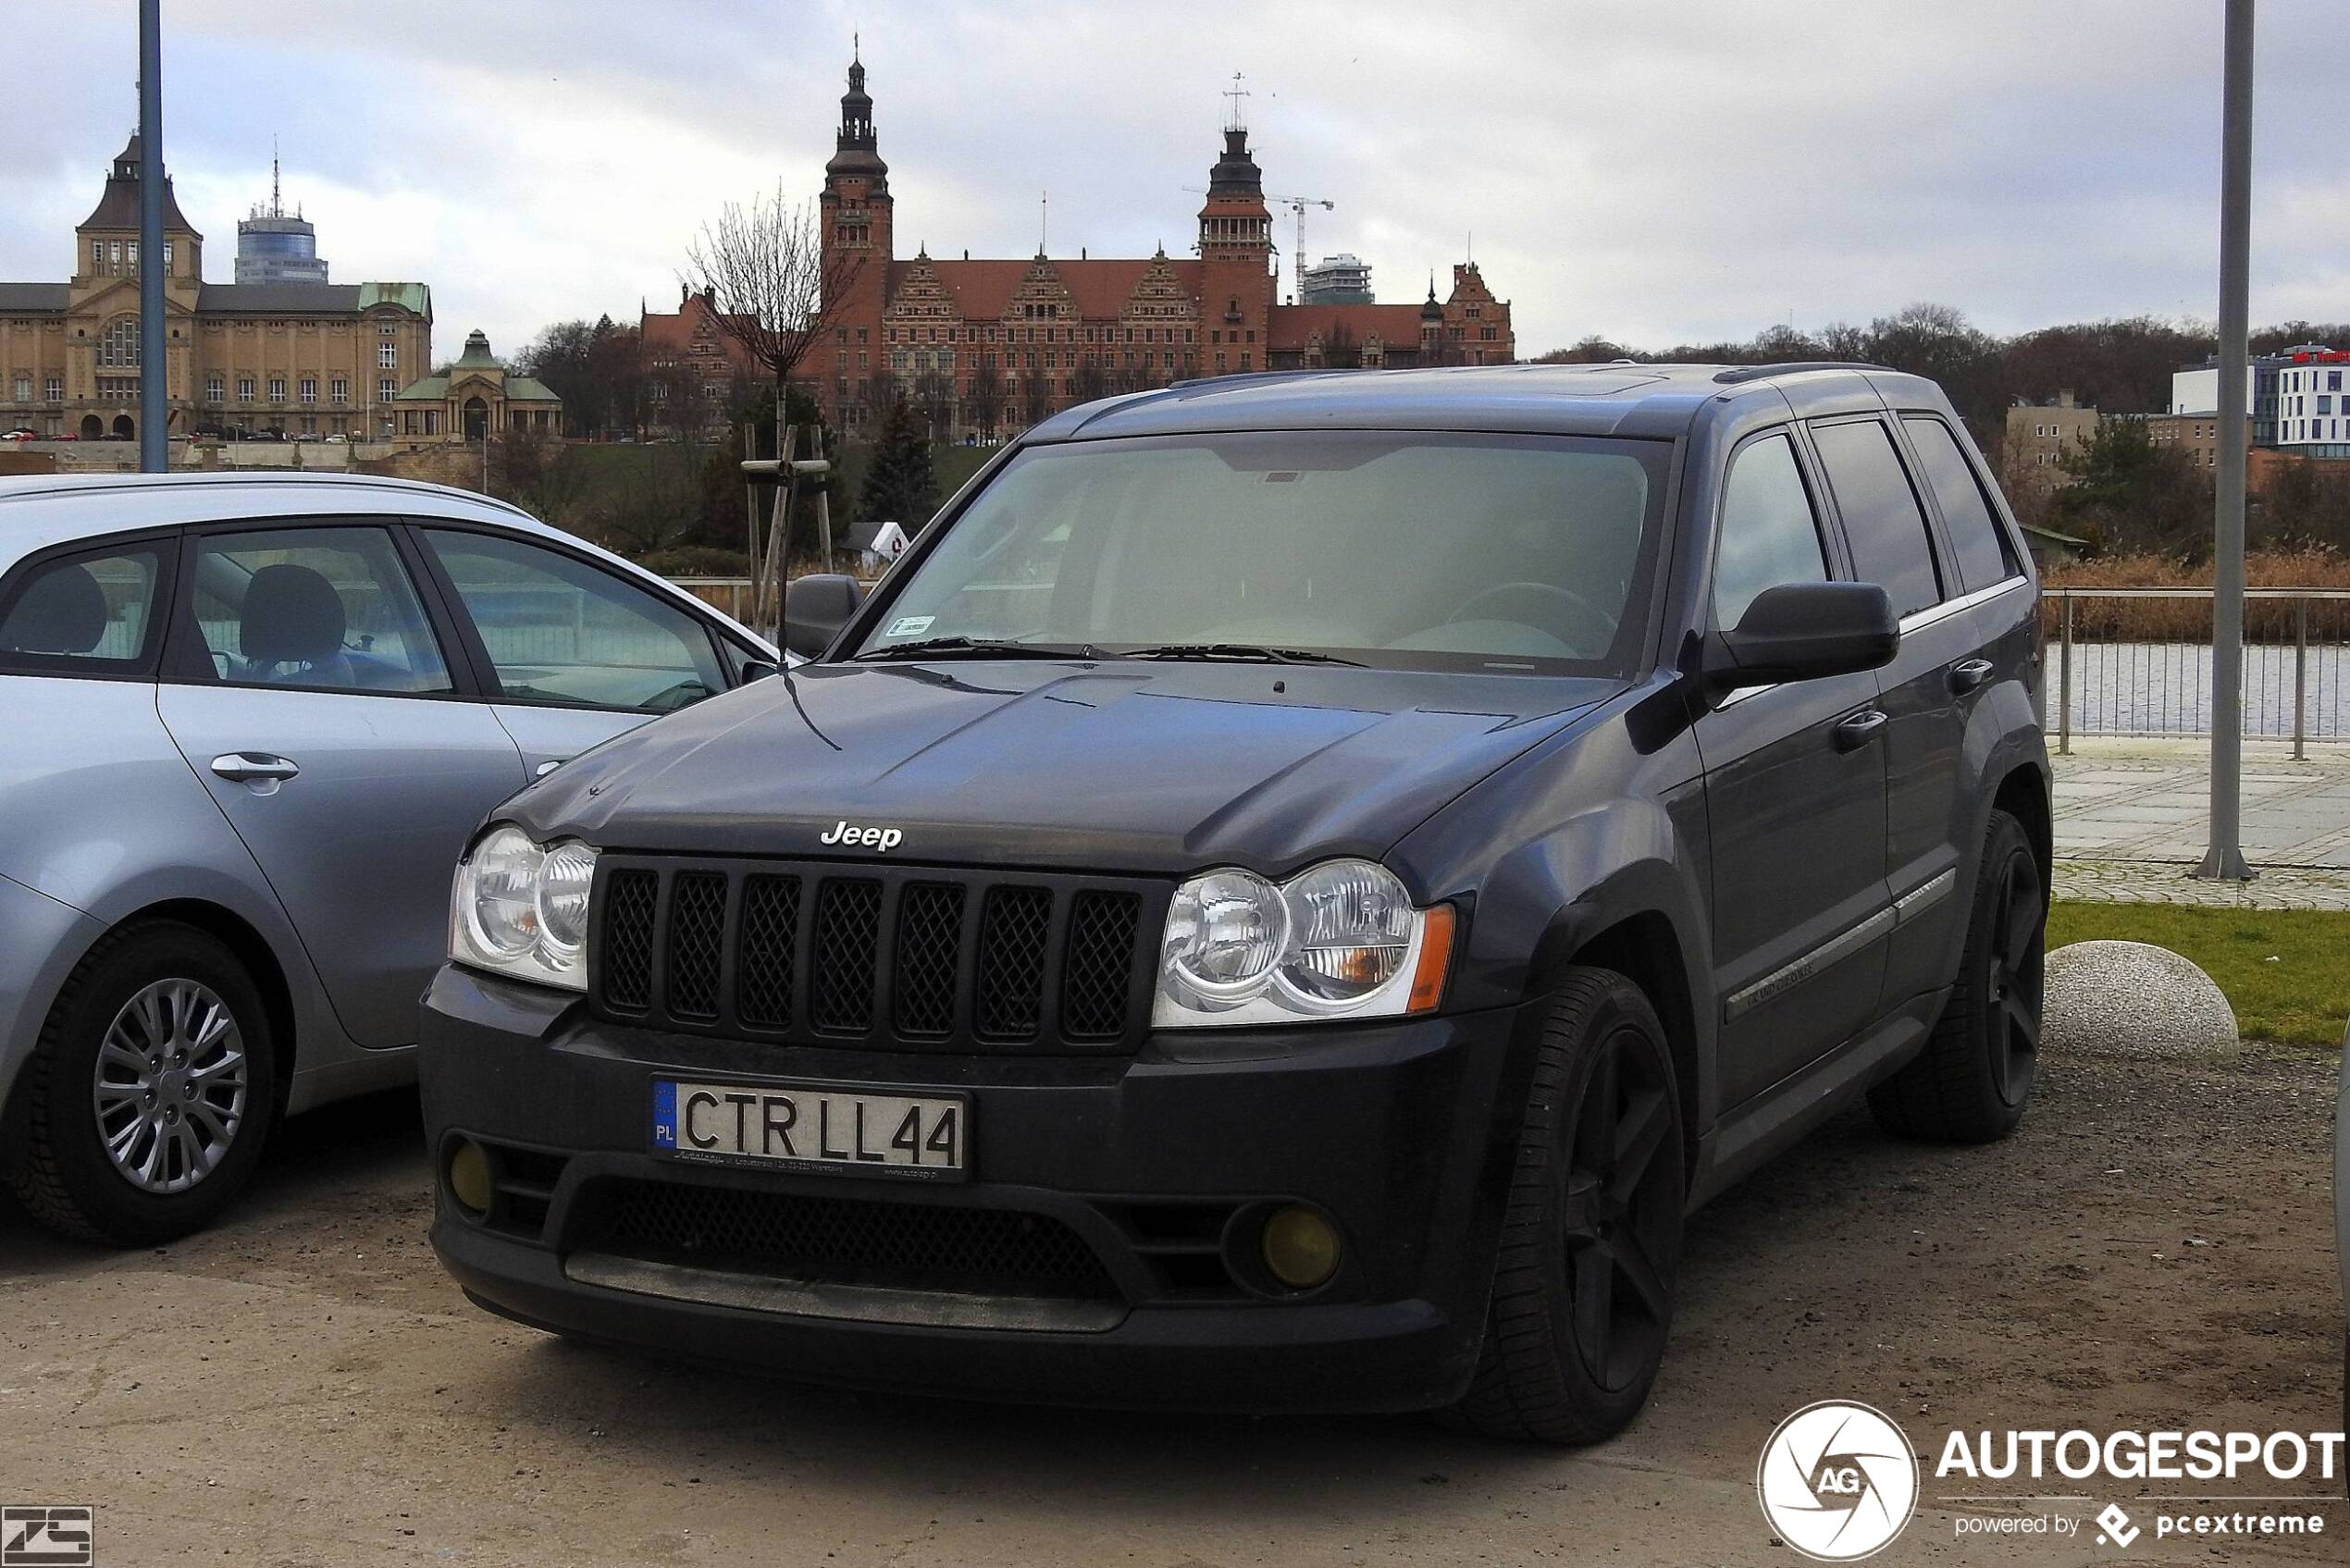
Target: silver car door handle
[[548, 766], [246, 767]]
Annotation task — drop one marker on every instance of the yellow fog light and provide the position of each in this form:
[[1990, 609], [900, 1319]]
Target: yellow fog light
[[1300, 1247], [469, 1177]]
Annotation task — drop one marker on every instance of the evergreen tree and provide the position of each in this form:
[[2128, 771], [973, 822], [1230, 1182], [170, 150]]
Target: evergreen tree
[[899, 485], [2129, 493]]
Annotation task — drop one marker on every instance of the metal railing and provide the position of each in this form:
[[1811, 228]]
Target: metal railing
[[2137, 662]]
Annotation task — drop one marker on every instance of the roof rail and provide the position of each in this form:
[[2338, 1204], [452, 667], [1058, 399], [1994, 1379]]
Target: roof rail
[[1737, 372]]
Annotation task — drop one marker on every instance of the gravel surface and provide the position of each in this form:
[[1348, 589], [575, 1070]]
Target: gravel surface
[[302, 1386], [2133, 999]]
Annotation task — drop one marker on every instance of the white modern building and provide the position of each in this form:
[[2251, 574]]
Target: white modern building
[[2312, 411], [2287, 396]]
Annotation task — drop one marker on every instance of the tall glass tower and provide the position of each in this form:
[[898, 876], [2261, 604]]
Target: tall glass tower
[[275, 246]]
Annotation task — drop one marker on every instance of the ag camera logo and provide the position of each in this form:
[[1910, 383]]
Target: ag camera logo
[[1838, 1481]]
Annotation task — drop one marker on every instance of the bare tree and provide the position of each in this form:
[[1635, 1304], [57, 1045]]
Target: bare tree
[[764, 272], [986, 396], [773, 290], [934, 400], [1342, 350]]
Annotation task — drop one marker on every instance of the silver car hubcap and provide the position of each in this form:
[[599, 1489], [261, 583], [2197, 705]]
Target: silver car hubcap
[[171, 1088]]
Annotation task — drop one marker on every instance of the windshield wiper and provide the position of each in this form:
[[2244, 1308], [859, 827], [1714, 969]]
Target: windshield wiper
[[1249, 652], [981, 647]]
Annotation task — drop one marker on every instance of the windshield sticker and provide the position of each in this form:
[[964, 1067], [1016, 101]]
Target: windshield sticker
[[909, 625]]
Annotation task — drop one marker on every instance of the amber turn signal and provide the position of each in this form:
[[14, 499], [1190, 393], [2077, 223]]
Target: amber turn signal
[[1435, 961]]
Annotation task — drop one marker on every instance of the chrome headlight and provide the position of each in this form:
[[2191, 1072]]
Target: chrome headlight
[[1341, 939], [521, 910]]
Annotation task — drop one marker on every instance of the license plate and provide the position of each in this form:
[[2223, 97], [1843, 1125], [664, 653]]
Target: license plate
[[813, 1127]]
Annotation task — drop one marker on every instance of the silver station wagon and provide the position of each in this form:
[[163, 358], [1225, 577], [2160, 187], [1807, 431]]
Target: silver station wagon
[[246, 725]]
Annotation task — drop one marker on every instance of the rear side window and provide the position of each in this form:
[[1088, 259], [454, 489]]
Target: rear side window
[[1769, 534], [1976, 539], [87, 613], [1882, 520]]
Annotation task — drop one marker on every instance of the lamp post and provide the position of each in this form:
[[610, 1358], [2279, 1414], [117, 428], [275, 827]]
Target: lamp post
[[154, 343], [2224, 858]]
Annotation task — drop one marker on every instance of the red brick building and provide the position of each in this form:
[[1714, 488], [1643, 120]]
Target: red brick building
[[990, 345]]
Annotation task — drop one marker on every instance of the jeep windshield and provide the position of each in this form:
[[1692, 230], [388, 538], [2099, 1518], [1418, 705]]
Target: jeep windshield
[[1397, 549]]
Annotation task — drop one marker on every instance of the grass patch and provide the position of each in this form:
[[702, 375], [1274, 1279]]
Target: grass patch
[[2285, 972]]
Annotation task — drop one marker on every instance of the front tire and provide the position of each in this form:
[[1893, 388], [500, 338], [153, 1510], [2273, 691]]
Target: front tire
[[1583, 1285], [150, 1093], [1973, 1079]]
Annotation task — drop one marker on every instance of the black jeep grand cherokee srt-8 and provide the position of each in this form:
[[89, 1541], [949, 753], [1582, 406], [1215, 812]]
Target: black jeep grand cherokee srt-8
[[1283, 898]]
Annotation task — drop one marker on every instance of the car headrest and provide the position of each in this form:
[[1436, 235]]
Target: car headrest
[[292, 615], [62, 612]]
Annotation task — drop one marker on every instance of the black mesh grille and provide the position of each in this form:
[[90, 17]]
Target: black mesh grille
[[1097, 972], [624, 965], [924, 957], [851, 1241], [930, 940], [841, 971], [697, 942], [1012, 962], [770, 944]]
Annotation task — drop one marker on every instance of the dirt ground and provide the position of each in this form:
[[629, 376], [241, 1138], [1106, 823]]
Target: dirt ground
[[302, 1386]]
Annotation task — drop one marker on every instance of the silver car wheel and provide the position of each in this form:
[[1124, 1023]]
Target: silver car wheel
[[171, 1087]]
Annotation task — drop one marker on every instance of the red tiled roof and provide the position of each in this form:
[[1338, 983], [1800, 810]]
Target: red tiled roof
[[982, 289], [1392, 325]]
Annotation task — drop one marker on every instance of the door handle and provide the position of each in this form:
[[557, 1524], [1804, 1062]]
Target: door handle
[[1857, 730], [1969, 673], [250, 766]]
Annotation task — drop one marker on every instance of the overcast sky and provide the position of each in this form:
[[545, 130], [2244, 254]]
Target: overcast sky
[[1655, 172]]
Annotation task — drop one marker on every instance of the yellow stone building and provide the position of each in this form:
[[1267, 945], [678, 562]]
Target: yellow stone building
[[296, 359]]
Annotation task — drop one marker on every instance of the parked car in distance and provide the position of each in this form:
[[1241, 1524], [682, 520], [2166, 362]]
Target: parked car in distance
[[255, 718], [1282, 899]]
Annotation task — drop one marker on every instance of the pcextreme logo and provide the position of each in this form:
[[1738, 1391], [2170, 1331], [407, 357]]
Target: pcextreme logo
[[1838, 1481]]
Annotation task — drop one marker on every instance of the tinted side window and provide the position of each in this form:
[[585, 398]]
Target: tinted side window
[[1769, 535], [1976, 538], [1882, 522], [328, 607], [558, 630], [88, 613]]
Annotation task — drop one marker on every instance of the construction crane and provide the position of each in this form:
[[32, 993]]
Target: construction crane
[[1296, 205]]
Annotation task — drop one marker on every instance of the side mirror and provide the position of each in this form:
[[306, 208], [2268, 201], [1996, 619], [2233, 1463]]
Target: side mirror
[[815, 609], [757, 670], [1802, 631]]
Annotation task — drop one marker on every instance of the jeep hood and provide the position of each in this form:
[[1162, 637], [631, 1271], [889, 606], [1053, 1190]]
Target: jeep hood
[[1119, 765]]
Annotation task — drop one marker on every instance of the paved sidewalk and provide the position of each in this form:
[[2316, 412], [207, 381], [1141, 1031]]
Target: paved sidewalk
[[2132, 820]]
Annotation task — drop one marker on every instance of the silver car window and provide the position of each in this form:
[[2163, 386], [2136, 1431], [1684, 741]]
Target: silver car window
[[327, 609], [88, 610], [558, 630]]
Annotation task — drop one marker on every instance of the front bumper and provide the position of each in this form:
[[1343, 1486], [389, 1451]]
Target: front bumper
[[1402, 1134]]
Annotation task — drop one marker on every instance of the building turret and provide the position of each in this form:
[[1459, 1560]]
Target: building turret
[[857, 211], [1236, 251]]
